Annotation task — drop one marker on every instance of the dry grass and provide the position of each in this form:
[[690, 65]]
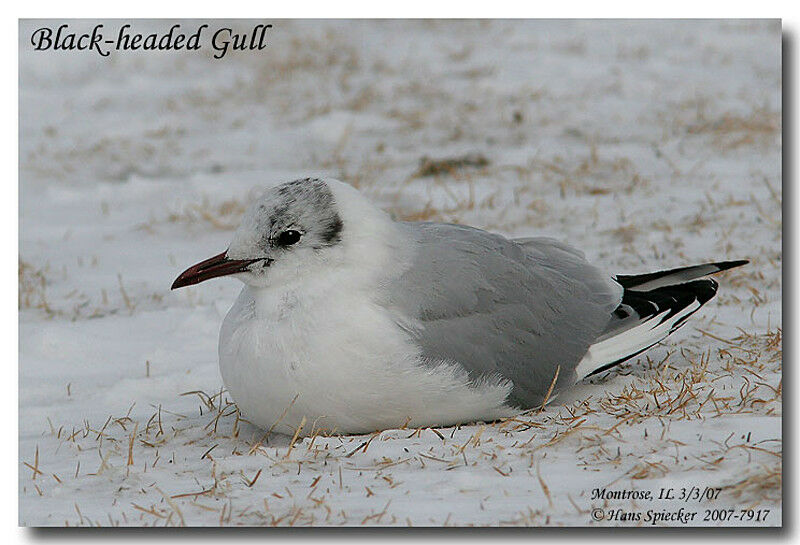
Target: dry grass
[[224, 215], [436, 167], [32, 290], [762, 485], [592, 173], [728, 381], [42, 289], [732, 131]]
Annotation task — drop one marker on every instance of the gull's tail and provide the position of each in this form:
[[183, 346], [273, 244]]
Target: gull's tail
[[653, 306]]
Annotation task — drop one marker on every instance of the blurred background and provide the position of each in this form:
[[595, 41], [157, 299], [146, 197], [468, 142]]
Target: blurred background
[[550, 127]]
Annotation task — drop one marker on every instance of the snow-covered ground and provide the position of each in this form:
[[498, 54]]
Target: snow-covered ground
[[646, 144]]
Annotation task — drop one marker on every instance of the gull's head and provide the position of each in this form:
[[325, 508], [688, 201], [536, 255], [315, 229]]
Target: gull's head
[[292, 228]]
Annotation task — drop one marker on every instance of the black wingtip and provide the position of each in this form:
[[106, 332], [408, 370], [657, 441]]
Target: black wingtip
[[725, 265], [645, 282]]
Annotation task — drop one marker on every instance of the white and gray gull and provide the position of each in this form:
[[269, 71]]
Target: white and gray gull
[[353, 322]]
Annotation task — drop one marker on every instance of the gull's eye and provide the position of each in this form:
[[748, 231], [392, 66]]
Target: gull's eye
[[287, 238]]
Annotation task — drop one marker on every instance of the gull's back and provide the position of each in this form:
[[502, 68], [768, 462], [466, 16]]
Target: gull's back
[[524, 310]]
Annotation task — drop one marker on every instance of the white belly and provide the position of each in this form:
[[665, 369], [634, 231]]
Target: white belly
[[344, 365]]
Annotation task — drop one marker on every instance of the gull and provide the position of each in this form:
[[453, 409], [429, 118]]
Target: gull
[[351, 322]]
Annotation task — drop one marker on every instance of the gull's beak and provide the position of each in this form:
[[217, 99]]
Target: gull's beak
[[219, 265]]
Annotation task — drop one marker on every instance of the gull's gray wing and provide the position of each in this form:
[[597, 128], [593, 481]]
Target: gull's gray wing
[[516, 309]]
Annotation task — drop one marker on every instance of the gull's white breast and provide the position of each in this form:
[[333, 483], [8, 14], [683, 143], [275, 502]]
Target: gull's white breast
[[341, 361]]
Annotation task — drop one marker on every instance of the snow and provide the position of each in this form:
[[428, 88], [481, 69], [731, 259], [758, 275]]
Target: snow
[[645, 144]]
